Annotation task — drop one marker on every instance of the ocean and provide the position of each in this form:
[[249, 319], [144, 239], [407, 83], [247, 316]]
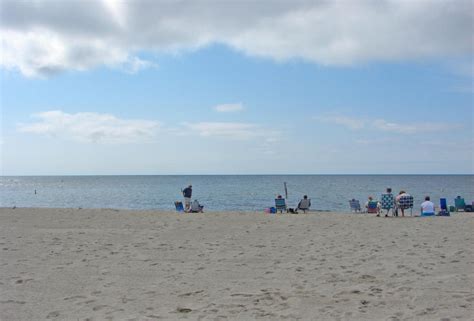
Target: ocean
[[223, 192]]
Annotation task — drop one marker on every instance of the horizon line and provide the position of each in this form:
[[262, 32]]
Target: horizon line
[[252, 174]]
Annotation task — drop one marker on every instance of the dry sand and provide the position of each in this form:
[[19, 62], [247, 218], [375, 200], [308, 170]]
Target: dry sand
[[70, 264]]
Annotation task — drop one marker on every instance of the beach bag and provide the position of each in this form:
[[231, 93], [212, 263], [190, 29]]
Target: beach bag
[[444, 213], [273, 210]]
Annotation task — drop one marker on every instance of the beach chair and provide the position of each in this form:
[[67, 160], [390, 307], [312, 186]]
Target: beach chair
[[459, 203], [354, 205], [443, 207], [372, 207], [388, 202], [179, 206], [443, 204], [406, 202], [304, 205], [280, 204]]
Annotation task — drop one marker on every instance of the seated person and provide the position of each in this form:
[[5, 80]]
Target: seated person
[[397, 202], [427, 207], [388, 202], [355, 205], [375, 208], [196, 207], [304, 204], [280, 204]]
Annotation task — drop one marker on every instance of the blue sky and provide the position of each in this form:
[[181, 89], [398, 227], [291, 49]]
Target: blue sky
[[233, 99]]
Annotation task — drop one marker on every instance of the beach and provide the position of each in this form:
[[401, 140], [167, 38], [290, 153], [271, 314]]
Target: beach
[[105, 264]]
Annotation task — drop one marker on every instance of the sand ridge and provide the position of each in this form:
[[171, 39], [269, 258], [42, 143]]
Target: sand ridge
[[103, 264]]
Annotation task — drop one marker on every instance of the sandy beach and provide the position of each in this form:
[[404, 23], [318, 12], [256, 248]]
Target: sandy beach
[[82, 264]]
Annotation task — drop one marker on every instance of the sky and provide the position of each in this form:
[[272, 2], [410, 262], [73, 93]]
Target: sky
[[236, 87]]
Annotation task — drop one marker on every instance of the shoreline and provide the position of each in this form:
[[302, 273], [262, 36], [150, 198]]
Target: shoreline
[[169, 211], [69, 264], [165, 211]]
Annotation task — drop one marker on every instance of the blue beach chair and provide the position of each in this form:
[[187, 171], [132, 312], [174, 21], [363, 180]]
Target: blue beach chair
[[443, 206], [280, 204], [372, 207], [179, 206], [354, 205]]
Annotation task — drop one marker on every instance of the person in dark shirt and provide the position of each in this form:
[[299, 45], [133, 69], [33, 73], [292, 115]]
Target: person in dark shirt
[[187, 193], [304, 204]]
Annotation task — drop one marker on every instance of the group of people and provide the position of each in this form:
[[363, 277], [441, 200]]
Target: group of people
[[194, 206], [303, 205], [391, 203]]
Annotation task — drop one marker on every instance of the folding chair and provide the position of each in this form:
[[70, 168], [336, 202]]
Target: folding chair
[[280, 204], [460, 204], [406, 202], [355, 205], [372, 207], [179, 206]]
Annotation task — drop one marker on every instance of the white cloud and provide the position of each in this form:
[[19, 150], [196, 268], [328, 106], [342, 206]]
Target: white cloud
[[91, 127], [109, 129], [349, 122], [228, 108], [384, 125], [412, 128], [52, 36], [235, 131], [134, 64]]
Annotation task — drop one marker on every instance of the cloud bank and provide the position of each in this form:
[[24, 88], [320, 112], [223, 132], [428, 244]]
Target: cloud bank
[[384, 125], [91, 127], [234, 131], [41, 38]]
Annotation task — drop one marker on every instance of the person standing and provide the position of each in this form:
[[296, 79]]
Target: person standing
[[187, 193]]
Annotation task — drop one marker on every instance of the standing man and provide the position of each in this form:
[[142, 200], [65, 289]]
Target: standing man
[[187, 193]]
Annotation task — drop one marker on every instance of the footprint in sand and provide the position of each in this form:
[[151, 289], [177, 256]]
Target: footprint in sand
[[12, 301], [76, 297], [53, 314], [183, 310]]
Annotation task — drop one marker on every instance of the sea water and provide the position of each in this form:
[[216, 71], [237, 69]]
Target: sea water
[[223, 192]]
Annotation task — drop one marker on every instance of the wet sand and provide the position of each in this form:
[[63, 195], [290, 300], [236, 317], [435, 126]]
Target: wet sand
[[82, 264]]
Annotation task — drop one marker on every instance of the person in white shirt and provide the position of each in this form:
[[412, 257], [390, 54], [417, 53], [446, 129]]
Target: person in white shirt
[[427, 207]]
